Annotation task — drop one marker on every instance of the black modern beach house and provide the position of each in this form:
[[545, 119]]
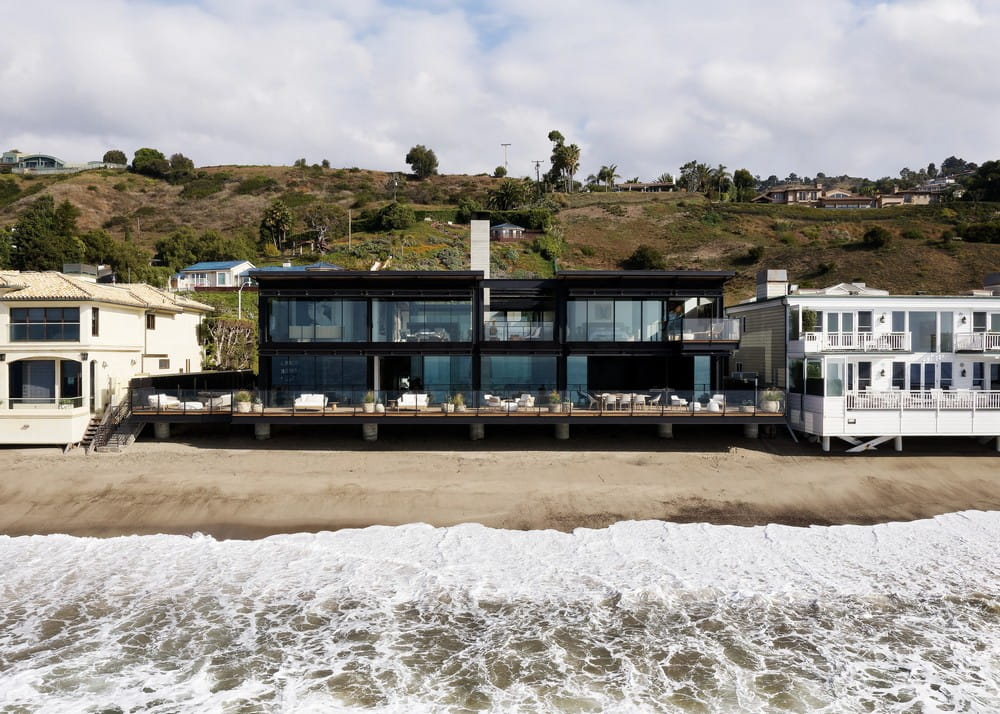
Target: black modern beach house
[[381, 347]]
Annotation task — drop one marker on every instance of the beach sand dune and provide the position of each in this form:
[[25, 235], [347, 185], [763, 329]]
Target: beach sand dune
[[232, 487]]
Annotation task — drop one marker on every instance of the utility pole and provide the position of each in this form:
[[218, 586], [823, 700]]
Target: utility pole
[[348, 228], [505, 146]]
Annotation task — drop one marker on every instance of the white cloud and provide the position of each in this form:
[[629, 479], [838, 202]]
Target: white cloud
[[840, 86]]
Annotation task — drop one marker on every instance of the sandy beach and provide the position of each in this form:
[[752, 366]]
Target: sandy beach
[[230, 486]]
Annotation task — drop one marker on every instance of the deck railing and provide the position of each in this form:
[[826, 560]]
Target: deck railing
[[513, 402], [923, 399], [978, 342], [856, 341], [516, 331], [710, 330]]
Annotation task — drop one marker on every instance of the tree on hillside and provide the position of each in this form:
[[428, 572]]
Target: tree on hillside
[[114, 156], [45, 236], [275, 224], [422, 161], [608, 174], [510, 194], [393, 217], [499, 172], [565, 161], [150, 162], [664, 178], [181, 168], [719, 180], [645, 257], [953, 165], [695, 176], [745, 185], [984, 185], [325, 221]]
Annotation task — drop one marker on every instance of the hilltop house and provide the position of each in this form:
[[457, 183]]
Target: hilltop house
[[215, 274], [865, 366], [21, 163], [68, 347]]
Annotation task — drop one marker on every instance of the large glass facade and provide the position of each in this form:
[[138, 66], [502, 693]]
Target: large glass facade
[[923, 328], [340, 378], [607, 320], [518, 373], [317, 320], [421, 320]]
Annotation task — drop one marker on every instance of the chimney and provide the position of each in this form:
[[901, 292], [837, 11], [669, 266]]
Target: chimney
[[480, 249], [772, 284]]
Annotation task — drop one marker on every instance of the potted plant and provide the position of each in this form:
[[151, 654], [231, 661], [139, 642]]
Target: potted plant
[[369, 402], [770, 400], [65, 403], [555, 402], [459, 401], [447, 406], [243, 398], [746, 406], [258, 405]]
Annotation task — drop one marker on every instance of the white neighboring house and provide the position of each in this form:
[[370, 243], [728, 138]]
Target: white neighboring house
[[865, 366], [214, 274], [69, 346]]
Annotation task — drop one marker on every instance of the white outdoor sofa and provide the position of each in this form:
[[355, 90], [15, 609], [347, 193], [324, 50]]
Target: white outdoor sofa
[[310, 401], [412, 400]]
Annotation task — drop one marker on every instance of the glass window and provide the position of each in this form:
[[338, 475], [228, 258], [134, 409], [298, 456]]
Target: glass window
[[865, 321], [923, 327], [864, 375], [576, 372], [847, 322], [95, 321], [69, 379], [995, 322], [652, 320], [946, 371], [340, 378], [518, 373], [833, 322], [45, 324], [150, 321], [835, 379], [814, 377], [915, 376], [600, 321], [576, 320], [793, 322], [929, 371], [899, 375], [947, 331], [978, 375], [421, 320], [979, 322], [33, 381], [898, 321]]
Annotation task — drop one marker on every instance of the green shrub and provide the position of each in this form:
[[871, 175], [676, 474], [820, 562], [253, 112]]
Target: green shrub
[[876, 237], [549, 246], [256, 184], [645, 257], [981, 233], [588, 250], [203, 186], [754, 254], [912, 234]]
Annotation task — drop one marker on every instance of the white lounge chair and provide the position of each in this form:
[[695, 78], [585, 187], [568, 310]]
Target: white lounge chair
[[676, 401], [164, 401], [526, 401], [412, 400]]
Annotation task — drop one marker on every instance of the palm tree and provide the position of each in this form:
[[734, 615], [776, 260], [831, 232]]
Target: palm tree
[[608, 175], [720, 176]]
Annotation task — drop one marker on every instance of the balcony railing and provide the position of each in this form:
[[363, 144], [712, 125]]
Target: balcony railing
[[44, 402], [443, 401], [516, 331], [710, 330], [919, 399], [978, 342], [856, 342]]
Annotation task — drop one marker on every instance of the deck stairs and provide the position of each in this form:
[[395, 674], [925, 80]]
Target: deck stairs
[[91, 433], [117, 430]]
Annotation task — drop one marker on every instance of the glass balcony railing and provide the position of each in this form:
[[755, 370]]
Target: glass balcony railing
[[516, 331], [710, 330]]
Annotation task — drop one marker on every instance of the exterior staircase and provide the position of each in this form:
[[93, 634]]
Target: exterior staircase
[[116, 430], [91, 433]]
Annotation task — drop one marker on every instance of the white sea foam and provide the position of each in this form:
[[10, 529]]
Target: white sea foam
[[638, 616]]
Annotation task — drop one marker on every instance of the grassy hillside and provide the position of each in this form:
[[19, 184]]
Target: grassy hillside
[[818, 247]]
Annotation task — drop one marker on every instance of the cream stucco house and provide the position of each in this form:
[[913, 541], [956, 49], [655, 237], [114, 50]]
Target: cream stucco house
[[69, 346]]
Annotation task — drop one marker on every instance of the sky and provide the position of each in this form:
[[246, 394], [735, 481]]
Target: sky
[[853, 87]]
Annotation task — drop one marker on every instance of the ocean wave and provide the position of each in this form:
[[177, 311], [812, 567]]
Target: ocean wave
[[638, 616]]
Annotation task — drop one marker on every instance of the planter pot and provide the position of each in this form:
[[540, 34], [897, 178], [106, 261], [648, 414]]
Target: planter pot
[[243, 407], [380, 408], [369, 408], [460, 407], [258, 408], [770, 406], [447, 407], [567, 407], [747, 409], [555, 408]]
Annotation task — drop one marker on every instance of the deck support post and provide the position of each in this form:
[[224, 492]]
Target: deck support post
[[562, 431], [369, 432], [261, 431], [477, 432], [898, 443], [751, 431], [665, 431], [825, 441], [998, 443], [161, 429]]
